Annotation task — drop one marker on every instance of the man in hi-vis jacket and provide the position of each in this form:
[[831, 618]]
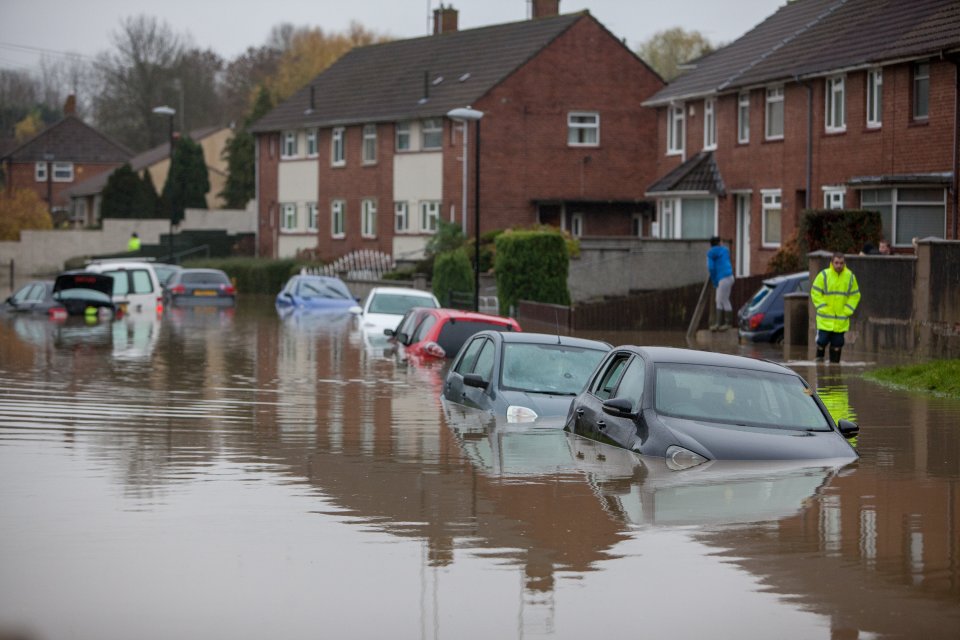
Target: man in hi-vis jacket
[[835, 295]]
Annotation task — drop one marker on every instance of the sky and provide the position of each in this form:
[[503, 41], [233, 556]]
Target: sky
[[30, 29]]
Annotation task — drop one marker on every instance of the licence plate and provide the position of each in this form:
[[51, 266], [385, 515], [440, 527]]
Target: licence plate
[[204, 292]]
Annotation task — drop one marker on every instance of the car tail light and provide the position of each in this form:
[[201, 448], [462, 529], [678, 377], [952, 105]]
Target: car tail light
[[755, 321], [435, 350], [228, 289], [57, 313], [178, 288]]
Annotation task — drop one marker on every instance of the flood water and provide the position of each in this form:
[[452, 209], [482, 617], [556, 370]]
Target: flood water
[[228, 474]]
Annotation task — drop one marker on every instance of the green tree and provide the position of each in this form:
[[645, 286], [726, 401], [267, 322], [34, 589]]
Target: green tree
[[531, 265], [152, 205], [239, 154], [188, 182], [665, 51], [452, 273], [124, 196]]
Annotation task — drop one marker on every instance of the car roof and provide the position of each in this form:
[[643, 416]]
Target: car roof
[[457, 314], [803, 275], [183, 271], [523, 337], [402, 291], [676, 355], [117, 265]]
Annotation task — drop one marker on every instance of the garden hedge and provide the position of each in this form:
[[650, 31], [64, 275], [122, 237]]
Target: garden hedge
[[531, 265], [452, 272]]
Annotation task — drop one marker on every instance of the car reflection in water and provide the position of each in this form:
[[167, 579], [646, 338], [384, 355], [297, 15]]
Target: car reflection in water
[[128, 338]]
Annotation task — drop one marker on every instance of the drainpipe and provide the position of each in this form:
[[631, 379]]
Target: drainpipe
[[809, 185], [956, 142]]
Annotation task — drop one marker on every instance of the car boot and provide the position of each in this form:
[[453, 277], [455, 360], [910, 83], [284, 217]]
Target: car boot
[[835, 355], [820, 351]]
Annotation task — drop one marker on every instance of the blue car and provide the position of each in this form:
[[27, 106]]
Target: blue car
[[320, 293], [761, 318]]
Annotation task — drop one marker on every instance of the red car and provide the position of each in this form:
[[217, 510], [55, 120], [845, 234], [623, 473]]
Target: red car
[[441, 332]]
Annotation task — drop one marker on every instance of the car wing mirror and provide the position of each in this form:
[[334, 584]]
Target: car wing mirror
[[621, 407], [388, 332], [355, 309], [475, 380], [848, 429]]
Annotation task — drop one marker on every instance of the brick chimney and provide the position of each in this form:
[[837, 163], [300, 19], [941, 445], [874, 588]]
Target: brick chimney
[[70, 106], [445, 19], [546, 8]]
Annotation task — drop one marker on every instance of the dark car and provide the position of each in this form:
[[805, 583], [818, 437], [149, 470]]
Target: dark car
[[34, 297], [761, 318], [165, 271], [693, 406], [83, 293], [522, 376], [200, 286], [318, 293]]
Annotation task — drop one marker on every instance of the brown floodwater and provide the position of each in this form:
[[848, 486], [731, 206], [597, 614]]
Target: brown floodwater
[[230, 474]]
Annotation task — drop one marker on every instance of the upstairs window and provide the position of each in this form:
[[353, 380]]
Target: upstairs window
[[710, 124], [675, 130], [874, 98], [403, 136], [312, 151], [743, 118], [369, 143], [835, 104], [583, 129], [338, 152], [337, 215], [401, 217], [921, 91], [40, 172], [289, 148], [288, 217], [432, 133], [774, 113]]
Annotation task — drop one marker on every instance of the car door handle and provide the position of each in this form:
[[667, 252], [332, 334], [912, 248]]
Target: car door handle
[[601, 425], [580, 412]]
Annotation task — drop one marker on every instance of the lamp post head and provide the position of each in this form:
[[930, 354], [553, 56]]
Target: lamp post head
[[464, 114], [165, 111]]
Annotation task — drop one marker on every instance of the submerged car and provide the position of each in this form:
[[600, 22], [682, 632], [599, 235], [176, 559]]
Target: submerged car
[[441, 332], [522, 376], [81, 293], [692, 406], [200, 286], [136, 287], [384, 307], [34, 297], [320, 293], [761, 318]]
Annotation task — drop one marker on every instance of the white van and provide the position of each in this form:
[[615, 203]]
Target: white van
[[136, 288]]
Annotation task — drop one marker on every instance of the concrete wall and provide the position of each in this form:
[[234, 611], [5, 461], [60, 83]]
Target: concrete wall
[[45, 252], [618, 266]]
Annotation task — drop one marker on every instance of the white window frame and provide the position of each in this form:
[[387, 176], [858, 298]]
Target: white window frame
[[743, 118], [431, 128], [429, 216], [576, 225], [401, 216], [338, 218], [898, 200], [313, 150], [920, 83], [874, 98], [676, 129], [583, 129], [835, 104], [62, 171], [288, 217], [834, 197], [774, 97], [667, 217], [369, 144], [772, 200], [403, 136], [710, 124], [40, 171], [368, 218], [289, 147], [313, 217], [338, 147]]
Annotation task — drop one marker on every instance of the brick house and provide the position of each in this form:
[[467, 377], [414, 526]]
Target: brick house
[[62, 155], [366, 157], [827, 103]]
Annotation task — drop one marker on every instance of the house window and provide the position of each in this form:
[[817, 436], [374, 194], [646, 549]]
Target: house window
[[403, 136], [429, 215], [697, 217], [775, 113], [40, 171], [368, 218], [288, 217], [874, 98], [834, 197], [675, 129], [337, 211], [743, 118], [666, 218], [636, 225], [583, 129], [576, 225], [772, 214], [908, 213], [63, 172], [312, 150], [289, 148], [369, 143], [710, 124], [921, 91], [338, 152], [312, 216], [432, 133], [401, 217], [836, 118]]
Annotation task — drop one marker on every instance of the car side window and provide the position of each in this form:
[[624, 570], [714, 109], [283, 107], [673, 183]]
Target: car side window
[[631, 383], [484, 366], [121, 286], [469, 358], [23, 294], [36, 293], [141, 281], [422, 330], [607, 382], [804, 286]]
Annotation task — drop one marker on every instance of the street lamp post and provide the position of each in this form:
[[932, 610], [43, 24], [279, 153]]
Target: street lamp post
[[465, 115], [169, 112]]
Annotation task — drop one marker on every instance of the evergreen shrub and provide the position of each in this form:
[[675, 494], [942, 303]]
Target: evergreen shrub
[[452, 272], [531, 265]]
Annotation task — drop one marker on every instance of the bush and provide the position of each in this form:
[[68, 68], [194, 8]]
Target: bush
[[253, 275], [845, 230], [531, 265], [452, 272]]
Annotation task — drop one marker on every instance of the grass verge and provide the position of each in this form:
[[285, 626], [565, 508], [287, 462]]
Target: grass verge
[[937, 376]]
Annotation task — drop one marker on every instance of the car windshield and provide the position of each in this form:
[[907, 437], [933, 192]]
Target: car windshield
[[547, 368], [760, 296], [322, 289], [397, 303], [737, 396]]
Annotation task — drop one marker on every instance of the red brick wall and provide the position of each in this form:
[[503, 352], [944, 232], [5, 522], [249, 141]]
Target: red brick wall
[[21, 176], [268, 149]]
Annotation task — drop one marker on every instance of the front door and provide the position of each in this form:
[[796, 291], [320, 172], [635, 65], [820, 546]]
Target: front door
[[743, 234]]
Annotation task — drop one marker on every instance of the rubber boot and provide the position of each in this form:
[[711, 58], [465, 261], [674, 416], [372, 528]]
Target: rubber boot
[[724, 320], [717, 320], [820, 351], [835, 355]]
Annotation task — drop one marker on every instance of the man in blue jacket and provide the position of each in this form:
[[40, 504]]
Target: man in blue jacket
[[721, 275]]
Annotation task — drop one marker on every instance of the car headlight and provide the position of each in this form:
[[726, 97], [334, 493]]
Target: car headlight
[[516, 413], [679, 458]]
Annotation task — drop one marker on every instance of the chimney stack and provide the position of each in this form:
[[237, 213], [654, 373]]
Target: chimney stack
[[445, 19], [70, 106], [546, 8]]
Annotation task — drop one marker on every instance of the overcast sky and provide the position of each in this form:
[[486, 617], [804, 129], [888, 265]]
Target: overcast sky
[[28, 28]]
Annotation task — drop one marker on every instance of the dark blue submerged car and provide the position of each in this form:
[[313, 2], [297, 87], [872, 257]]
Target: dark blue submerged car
[[692, 406], [761, 318], [320, 293]]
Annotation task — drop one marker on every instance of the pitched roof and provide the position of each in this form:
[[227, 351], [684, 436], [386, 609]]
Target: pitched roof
[[815, 37], [414, 78], [70, 140], [699, 174]]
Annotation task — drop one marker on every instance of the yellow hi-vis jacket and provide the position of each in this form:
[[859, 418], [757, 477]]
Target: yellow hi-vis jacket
[[835, 297]]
